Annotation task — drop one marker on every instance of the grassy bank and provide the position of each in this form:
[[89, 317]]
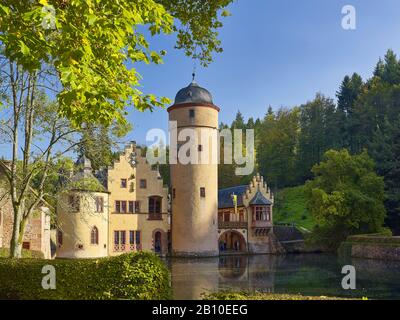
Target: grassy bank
[[290, 207], [138, 276], [263, 296]]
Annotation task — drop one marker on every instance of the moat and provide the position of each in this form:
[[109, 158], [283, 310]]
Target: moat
[[307, 274]]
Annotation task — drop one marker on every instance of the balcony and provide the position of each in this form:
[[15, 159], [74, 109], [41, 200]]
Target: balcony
[[119, 247], [127, 247], [232, 225]]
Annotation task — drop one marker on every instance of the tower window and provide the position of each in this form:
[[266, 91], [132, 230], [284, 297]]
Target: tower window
[[191, 114], [99, 204], [200, 148], [124, 183], [74, 203], [143, 183], [59, 237], [202, 192], [94, 236]]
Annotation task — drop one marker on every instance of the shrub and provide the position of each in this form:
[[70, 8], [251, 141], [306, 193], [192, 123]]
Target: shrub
[[5, 253], [237, 296], [141, 276]]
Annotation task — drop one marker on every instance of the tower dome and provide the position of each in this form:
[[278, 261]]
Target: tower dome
[[193, 93]]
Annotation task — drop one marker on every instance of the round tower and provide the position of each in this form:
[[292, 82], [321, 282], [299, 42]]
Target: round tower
[[82, 215], [194, 224]]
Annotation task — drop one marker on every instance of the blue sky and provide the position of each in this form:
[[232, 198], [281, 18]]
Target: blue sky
[[278, 53]]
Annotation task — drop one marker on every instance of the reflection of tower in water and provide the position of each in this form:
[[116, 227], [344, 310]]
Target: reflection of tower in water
[[192, 277], [249, 273]]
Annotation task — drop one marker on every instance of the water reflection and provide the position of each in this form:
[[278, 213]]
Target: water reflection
[[311, 274]]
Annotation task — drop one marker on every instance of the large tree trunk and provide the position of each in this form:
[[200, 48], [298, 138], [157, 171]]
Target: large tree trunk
[[18, 234]]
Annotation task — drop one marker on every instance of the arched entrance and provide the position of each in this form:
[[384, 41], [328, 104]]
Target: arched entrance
[[232, 241]]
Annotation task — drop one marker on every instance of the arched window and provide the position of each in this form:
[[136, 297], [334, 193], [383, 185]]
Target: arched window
[[94, 236], [59, 237], [155, 208]]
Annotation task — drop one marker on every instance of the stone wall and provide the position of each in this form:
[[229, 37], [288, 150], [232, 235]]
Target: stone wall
[[371, 247], [37, 230], [6, 217], [377, 251]]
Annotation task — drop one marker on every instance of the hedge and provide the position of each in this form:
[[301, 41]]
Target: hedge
[[5, 253], [138, 276], [239, 296]]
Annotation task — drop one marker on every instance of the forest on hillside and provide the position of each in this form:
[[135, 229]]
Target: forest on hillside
[[366, 116]]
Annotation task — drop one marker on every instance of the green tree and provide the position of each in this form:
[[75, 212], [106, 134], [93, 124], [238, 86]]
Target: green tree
[[348, 93], [345, 196], [385, 149], [391, 68], [238, 123], [93, 47], [277, 139], [317, 135], [99, 142]]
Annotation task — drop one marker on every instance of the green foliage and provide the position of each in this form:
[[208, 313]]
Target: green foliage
[[198, 24], [227, 171], [290, 207], [86, 184], [92, 43], [140, 276], [319, 133], [277, 138], [346, 196], [99, 142]]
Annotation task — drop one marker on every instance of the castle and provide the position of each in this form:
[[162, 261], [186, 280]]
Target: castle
[[127, 208]]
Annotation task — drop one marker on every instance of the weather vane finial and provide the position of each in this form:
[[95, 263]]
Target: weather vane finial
[[194, 71]]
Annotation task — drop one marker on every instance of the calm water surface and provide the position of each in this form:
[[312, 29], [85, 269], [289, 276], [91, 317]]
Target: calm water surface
[[307, 274]]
